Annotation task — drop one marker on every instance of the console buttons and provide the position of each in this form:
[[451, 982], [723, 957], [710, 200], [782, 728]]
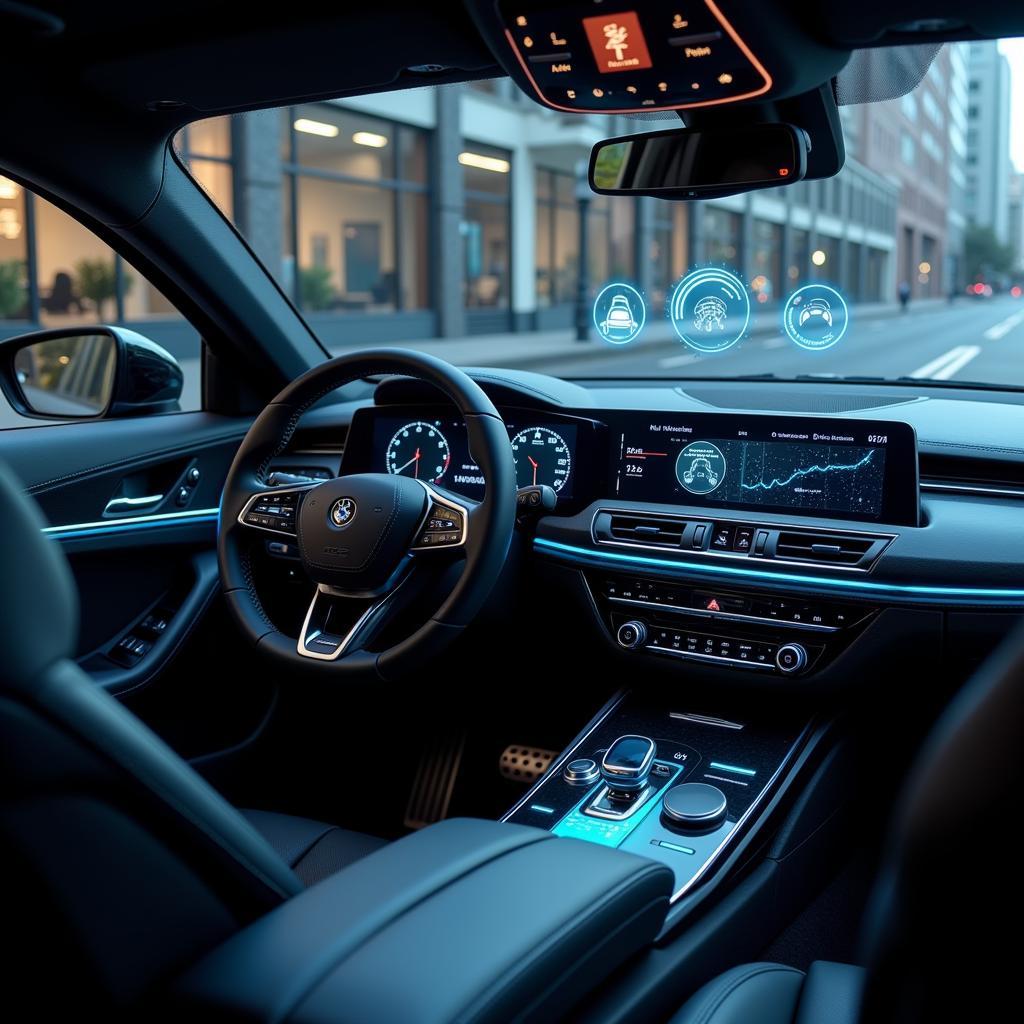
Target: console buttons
[[744, 539], [721, 538], [791, 658], [693, 807], [580, 772], [631, 634]]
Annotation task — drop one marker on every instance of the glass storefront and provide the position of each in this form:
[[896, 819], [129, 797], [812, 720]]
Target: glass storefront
[[486, 226], [355, 214], [14, 294]]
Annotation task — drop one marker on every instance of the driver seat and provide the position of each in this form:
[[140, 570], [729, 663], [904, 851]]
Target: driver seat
[[122, 864]]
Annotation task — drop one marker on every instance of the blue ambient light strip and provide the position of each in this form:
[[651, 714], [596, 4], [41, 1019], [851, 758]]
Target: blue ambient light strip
[[732, 768], [130, 525], [866, 587]]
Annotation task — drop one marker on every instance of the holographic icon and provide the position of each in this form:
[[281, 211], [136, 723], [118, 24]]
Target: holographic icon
[[710, 313], [710, 309], [619, 313], [815, 317], [700, 467]]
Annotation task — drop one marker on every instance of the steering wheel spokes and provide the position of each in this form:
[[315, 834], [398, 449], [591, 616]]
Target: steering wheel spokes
[[275, 511]]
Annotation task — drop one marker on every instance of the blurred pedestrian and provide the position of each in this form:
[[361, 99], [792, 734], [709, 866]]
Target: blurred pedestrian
[[904, 293]]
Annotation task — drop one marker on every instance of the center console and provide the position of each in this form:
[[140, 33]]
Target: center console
[[665, 782]]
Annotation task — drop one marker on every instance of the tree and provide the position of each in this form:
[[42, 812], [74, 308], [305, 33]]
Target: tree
[[12, 288], [97, 282], [985, 255], [315, 288]]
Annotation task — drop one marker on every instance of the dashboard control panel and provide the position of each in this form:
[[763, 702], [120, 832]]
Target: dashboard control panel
[[731, 629]]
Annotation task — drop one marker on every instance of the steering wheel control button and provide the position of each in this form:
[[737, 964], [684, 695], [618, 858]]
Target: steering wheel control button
[[791, 658], [444, 527], [631, 635], [273, 511], [693, 807], [581, 772], [536, 498]]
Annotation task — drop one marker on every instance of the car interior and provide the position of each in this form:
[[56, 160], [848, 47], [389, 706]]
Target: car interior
[[384, 686]]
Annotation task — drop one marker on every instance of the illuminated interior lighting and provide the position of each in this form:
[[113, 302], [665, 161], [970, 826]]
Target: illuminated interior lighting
[[371, 139], [311, 127], [10, 225], [8, 188], [818, 257], [484, 163]]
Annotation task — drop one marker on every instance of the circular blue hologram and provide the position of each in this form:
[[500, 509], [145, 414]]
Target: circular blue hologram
[[815, 317], [710, 309], [619, 313]]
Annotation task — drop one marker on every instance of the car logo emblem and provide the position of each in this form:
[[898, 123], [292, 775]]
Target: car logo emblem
[[343, 511]]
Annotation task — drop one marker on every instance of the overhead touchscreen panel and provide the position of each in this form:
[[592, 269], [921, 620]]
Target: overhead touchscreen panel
[[851, 469]]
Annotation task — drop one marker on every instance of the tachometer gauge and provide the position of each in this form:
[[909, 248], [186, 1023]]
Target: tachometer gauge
[[419, 450], [542, 457]]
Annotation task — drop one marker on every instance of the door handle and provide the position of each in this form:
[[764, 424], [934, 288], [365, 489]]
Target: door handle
[[127, 504]]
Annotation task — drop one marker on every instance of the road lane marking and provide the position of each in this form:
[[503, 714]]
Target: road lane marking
[[947, 364], [996, 332], [683, 360]]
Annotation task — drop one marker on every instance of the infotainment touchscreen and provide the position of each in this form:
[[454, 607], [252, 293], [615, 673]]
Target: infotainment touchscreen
[[844, 468]]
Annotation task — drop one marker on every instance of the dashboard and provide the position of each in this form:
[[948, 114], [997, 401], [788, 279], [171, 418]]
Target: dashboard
[[755, 530], [852, 469]]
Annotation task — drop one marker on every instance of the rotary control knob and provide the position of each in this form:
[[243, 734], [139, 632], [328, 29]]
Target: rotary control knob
[[693, 807], [631, 634], [581, 771], [790, 658]]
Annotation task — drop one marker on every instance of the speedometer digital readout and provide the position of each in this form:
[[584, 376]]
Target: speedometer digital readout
[[542, 457], [419, 450]]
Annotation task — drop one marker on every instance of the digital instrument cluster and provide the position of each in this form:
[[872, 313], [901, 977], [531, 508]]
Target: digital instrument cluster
[[435, 449], [853, 469]]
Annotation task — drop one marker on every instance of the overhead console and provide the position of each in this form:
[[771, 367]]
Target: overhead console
[[590, 55]]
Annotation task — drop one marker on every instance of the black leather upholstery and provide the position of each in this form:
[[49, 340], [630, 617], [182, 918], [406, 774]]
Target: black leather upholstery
[[312, 849], [124, 863], [765, 993], [466, 920]]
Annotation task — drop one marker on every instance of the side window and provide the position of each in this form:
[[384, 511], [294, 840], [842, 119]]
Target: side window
[[55, 273]]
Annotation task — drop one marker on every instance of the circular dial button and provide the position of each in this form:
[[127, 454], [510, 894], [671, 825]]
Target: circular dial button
[[542, 457], [419, 450], [693, 806], [791, 658]]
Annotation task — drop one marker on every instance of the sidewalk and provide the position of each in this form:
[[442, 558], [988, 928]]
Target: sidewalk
[[535, 348]]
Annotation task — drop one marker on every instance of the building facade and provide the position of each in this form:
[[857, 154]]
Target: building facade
[[988, 139], [454, 211]]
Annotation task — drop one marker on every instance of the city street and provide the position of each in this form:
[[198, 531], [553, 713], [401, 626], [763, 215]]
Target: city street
[[968, 340]]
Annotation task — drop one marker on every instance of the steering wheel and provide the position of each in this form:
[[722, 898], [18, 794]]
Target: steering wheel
[[367, 540]]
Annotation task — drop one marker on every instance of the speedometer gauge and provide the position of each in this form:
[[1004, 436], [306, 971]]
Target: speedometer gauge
[[419, 450], [542, 457]]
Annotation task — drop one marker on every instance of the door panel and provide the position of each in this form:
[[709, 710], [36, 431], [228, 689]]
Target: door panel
[[133, 503]]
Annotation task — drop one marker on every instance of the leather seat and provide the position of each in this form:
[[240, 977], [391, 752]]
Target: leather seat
[[930, 948], [768, 993], [104, 828], [310, 848]]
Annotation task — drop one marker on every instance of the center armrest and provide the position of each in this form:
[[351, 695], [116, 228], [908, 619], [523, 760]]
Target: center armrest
[[465, 920]]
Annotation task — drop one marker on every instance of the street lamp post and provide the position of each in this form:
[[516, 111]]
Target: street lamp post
[[583, 197]]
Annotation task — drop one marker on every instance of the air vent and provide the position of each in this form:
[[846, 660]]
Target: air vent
[[658, 531], [828, 548]]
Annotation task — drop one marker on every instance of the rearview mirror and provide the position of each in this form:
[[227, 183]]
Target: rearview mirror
[[87, 373], [700, 163]]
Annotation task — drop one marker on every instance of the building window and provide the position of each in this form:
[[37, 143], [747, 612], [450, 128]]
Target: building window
[[205, 149], [766, 261], [722, 235], [486, 226], [908, 104], [610, 239], [800, 246], [355, 217], [668, 256], [557, 237], [907, 148], [14, 290]]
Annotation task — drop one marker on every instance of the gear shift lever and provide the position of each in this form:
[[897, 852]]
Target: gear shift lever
[[627, 764]]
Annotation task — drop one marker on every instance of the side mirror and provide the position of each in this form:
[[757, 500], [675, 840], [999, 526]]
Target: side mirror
[[700, 163], [88, 373]]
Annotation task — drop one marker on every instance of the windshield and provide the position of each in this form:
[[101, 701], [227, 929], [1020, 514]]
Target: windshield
[[455, 219]]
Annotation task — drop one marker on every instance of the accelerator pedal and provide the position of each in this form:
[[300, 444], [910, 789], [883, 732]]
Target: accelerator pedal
[[525, 764]]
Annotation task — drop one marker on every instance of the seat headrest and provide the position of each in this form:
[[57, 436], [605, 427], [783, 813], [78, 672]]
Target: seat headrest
[[38, 598]]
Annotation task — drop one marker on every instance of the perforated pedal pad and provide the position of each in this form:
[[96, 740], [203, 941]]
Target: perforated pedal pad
[[525, 764]]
